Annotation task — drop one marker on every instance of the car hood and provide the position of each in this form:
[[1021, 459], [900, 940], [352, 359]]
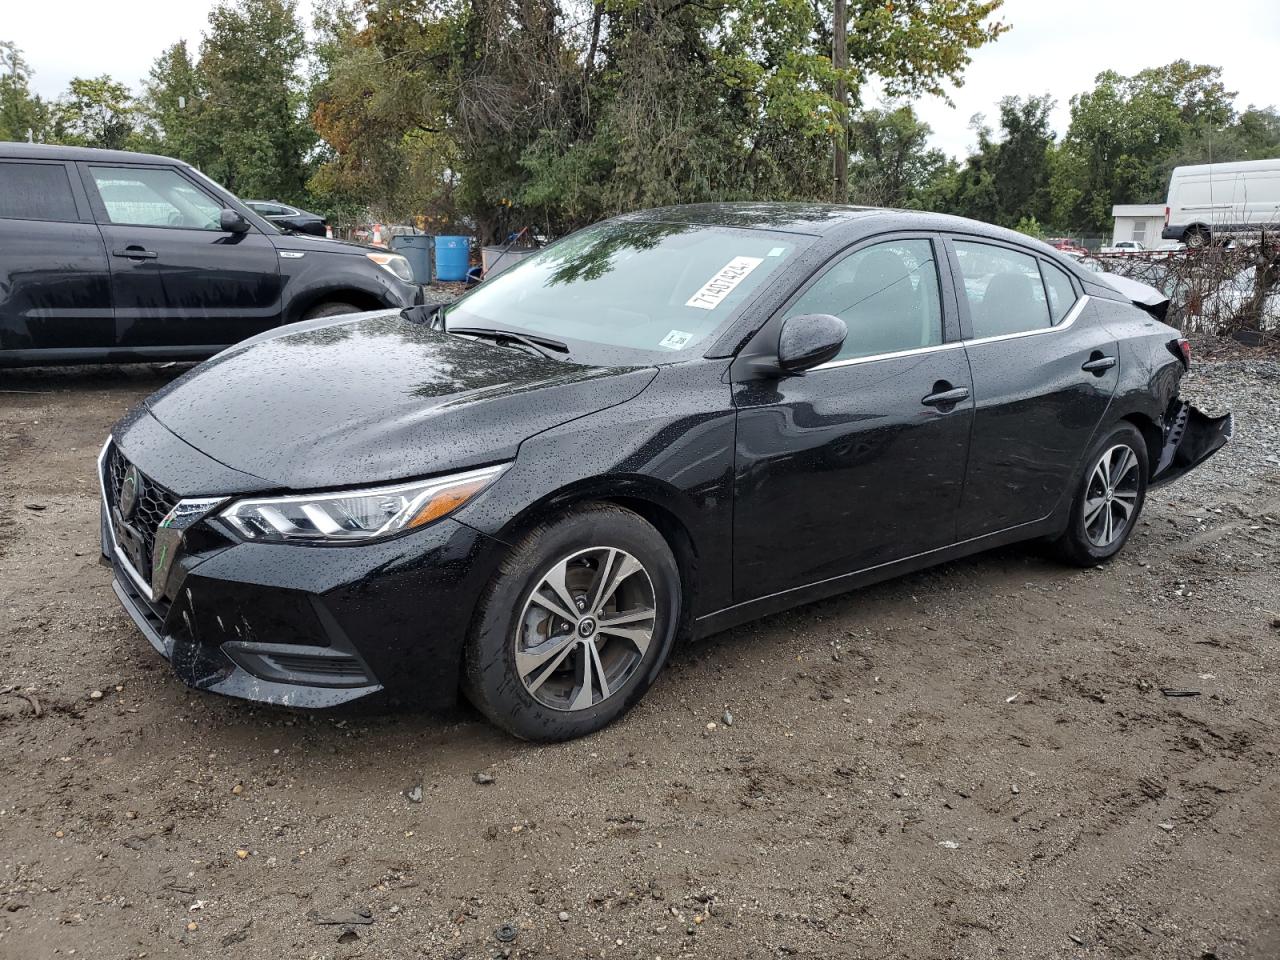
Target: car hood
[[377, 398], [306, 243]]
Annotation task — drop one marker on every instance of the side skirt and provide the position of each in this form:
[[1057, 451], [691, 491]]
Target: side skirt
[[776, 602]]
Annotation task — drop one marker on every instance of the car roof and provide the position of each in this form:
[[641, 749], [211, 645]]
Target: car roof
[[42, 151], [831, 219]]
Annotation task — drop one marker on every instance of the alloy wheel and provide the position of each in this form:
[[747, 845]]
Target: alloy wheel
[[585, 628], [1111, 498]]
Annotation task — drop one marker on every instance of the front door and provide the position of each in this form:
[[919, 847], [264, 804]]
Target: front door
[[177, 277], [1043, 376], [861, 461]]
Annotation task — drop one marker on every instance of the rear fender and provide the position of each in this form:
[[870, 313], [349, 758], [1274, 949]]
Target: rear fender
[[1192, 438]]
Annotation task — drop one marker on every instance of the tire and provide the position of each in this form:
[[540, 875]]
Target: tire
[[1120, 455], [541, 695], [1196, 238], [332, 308]]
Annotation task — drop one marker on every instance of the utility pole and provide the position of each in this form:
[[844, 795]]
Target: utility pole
[[840, 60]]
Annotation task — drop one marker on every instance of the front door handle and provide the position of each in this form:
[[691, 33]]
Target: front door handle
[[1098, 365], [945, 397], [135, 252]]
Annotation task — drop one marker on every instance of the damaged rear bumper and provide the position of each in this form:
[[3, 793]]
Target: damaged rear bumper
[[1191, 438]]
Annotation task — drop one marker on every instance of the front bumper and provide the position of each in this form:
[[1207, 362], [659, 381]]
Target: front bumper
[[310, 626]]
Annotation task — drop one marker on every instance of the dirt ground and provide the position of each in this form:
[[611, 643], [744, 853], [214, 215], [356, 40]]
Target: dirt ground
[[976, 761]]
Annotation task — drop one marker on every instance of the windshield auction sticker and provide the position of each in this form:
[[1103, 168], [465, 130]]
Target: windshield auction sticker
[[675, 340], [723, 283]]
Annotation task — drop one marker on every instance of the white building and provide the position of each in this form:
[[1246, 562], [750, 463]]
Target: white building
[[1138, 221]]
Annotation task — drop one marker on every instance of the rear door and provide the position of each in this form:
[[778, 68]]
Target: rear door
[[55, 290], [179, 279], [1043, 376], [861, 461]]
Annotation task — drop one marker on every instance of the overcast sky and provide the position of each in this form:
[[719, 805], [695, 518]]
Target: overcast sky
[[1053, 47]]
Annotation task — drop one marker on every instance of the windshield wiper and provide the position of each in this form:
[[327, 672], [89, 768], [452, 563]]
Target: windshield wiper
[[545, 346]]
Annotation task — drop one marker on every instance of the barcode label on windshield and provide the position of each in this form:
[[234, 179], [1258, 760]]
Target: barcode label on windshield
[[723, 283]]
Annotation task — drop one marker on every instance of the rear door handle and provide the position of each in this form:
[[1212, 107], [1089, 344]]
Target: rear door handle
[[135, 253], [946, 398], [1098, 364]]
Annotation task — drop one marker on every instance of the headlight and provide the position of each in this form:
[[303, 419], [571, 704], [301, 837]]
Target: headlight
[[394, 263], [354, 515]]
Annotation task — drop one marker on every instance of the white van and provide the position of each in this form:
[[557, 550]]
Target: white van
[[1221, 198]]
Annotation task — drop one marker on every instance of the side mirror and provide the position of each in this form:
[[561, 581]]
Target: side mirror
[[230, 221], [809, 340]]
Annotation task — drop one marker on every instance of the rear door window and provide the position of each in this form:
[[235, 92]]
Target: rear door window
[[36, 191], [154, 197], [1062, 295], [1003, 290]]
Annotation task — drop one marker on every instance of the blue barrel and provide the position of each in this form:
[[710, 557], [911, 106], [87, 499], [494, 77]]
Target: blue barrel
[[453, 256], [416, 248]]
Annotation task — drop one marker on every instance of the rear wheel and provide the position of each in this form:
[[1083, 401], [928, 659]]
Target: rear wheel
[[1196, 237], [575, 626], [333, 308], [1108, 499]]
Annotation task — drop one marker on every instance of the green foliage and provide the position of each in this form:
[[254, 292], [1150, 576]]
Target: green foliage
[[250, 112], [1031, 227], [170, 108], [891, 163], [1129, 132], [530, 112], [97, 112], [20, 110], [1006, 180], [491, 115]]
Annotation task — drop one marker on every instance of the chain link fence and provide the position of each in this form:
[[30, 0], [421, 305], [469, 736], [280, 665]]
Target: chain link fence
[[1227, 289]]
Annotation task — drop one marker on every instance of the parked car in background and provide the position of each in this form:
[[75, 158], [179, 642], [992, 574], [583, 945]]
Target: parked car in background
[[668, 423], [114, 256], [1213, 200], [1125, 246], [289, 218], [1067, 246]]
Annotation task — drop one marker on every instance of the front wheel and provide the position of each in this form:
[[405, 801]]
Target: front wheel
[[1108, 499], [332, 308], [575, 626]]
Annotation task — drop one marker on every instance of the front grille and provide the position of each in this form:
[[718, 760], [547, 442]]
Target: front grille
[[153, 504]]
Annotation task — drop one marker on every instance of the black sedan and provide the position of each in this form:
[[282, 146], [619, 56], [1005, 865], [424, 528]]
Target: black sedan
[[289, 218], [661, 426]]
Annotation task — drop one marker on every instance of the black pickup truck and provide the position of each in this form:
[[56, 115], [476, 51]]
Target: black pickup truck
[[114, 256]]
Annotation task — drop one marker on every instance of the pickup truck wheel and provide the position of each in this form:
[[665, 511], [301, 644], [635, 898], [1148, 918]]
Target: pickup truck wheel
[[332, 308], [1108, 499]]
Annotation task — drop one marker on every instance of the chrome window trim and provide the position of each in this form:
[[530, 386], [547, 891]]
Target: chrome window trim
[[833, 364], [1076, 309]]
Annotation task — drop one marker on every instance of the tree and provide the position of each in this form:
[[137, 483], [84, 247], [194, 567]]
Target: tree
[[172, 108], [1007, 179], [95, 112], [1126, 132], [251, 116], [892, 163], [20, 110], [525, 111]]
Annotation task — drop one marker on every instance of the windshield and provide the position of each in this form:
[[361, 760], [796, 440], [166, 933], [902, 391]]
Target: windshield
[[656, 288]]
